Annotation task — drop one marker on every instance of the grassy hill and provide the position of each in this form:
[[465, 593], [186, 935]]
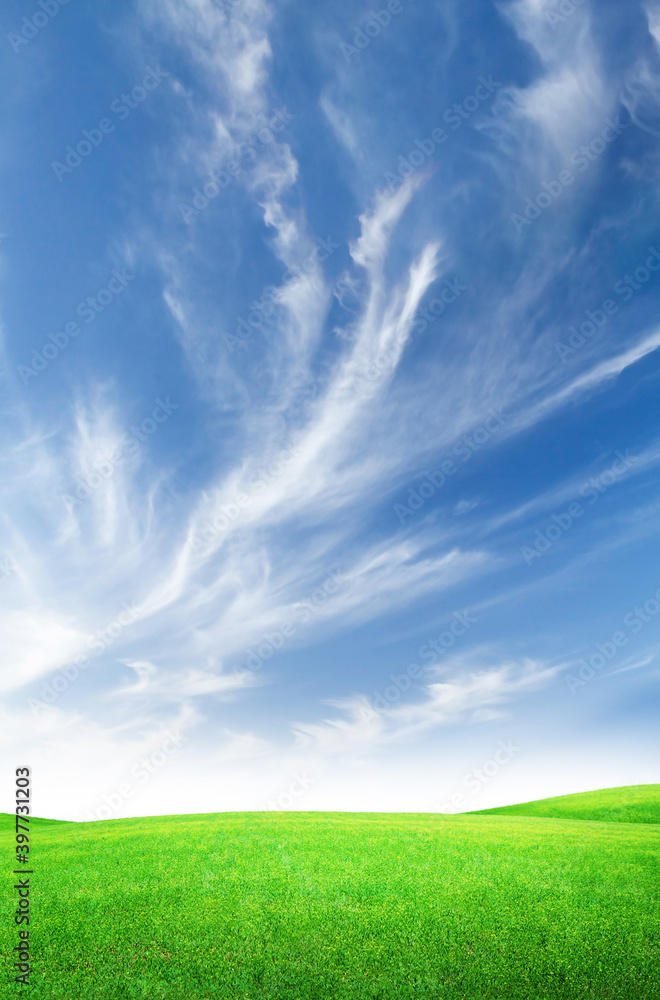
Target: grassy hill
[[629, 804], [309, 906]]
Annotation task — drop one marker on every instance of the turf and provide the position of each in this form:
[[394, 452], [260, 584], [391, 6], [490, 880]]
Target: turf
[[629, 804], [336, 905]]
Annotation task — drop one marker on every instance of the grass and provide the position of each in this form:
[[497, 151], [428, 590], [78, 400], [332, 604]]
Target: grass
[[334, 905], [631, 804]]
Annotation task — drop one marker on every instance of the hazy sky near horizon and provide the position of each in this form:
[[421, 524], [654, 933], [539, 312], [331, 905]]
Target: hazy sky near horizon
[[329, 443]]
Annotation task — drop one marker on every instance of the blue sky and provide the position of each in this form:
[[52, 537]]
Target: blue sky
[[329, 359]]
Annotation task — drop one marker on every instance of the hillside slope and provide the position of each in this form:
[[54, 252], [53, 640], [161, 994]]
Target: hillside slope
[[627, 804]]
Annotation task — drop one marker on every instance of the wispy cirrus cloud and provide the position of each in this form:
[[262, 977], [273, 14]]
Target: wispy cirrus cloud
[[469, 697], [360, 400]]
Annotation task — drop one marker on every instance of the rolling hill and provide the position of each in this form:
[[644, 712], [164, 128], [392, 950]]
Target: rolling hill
[[628, 804]]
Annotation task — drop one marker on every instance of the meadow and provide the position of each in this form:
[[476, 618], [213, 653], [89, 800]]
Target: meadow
[[342, 905], [631, 804]]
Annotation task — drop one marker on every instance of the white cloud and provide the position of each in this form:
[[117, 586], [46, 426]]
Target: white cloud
[[469, 697], [182, 686]]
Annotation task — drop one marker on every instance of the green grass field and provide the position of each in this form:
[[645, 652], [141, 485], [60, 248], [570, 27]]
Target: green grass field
[[633, 804], [342, 905]]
